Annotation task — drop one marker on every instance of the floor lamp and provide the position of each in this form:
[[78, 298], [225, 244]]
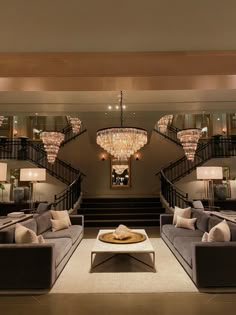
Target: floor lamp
[[208, 174], [32, 175]]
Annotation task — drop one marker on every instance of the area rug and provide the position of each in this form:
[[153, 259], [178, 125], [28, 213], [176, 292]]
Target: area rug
[[122, 273]]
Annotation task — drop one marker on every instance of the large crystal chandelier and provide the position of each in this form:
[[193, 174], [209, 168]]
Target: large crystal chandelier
[[189, 140], [121, 142], [163, 122], [75, 124], [51, 141], [1, 120]]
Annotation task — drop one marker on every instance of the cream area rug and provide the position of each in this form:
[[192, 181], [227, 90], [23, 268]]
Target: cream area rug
[[122, 273]]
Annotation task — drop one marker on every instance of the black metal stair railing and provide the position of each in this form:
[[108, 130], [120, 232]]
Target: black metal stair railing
[[172, 194], [171, 134], [69, 135], [207, 149], [68, 197], [24, 149]]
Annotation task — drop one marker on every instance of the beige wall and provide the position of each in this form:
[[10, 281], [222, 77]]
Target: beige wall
[[85, 154]]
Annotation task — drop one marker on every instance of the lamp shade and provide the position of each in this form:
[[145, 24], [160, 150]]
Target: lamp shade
[[3, 172], [210, 172], [32, 174]]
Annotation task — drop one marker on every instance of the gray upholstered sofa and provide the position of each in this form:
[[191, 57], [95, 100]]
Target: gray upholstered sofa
[[209, 264], [37, 266]]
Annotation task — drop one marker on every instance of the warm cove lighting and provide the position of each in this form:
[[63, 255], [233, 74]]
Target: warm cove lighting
[[121, 142], [209, 172]]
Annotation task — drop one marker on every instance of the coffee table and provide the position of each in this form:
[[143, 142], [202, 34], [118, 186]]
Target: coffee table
[[144, 247]]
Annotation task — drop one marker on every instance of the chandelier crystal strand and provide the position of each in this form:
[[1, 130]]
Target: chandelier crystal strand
[[1, 120], [75, 124], [163, 122], [121, 142], [189, 140], [52, 141]]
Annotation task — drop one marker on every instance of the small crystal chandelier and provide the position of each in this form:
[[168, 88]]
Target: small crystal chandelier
[[75, 123], [51, 141], [189, 140], [120, 168], [121, 142], [163, 122], [1, 120]]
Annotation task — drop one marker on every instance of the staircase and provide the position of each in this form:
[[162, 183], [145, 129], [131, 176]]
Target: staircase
[[171, 134], [110, 212]]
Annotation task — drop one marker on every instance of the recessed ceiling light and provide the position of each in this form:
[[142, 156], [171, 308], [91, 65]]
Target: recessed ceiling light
[[124, 106], [117, 107], [218, 118], [109, 107]]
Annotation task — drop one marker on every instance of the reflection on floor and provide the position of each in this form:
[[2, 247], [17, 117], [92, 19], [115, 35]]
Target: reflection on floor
[[138, 304]]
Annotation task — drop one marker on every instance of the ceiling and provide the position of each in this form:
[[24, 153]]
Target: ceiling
[[117, 26]]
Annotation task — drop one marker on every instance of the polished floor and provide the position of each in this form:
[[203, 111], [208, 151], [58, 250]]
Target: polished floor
[[114, 304]]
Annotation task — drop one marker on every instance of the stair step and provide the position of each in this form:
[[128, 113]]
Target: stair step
[[120, 210], [114, 216], [115, 223], [120, 204], [105, 200]]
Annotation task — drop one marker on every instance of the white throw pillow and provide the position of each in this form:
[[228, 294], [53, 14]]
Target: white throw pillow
[[205, 237], [60, 224], [220, 233], [181, 212], [26, 236], [60, 214], [185, 223]]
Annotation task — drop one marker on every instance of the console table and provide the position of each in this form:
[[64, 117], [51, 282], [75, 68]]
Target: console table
[[7, 221]]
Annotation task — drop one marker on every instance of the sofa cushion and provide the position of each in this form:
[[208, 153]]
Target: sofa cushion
[[220, 233], [24, 235], [184, 246], [73, 232], [172, 232], [60, 214], [213, 220], [182, 212], [62, 246], [186, 223], [59, 224], [43, 222], [232, 227], [30, 224], [202, 219]]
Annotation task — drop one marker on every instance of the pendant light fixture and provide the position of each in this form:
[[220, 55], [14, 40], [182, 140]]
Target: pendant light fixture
[[121, 142]]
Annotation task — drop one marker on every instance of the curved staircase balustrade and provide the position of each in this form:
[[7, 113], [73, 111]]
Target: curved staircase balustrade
[[171, 134], [24, 149], [68, 197], [172, 194], [216, 147]]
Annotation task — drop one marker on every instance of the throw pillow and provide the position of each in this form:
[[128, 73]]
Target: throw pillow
[[60, 214], [220, 233], [41, 239], [185, 223], [24, 235], [181, 212], [60, 224], [205, 237]]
